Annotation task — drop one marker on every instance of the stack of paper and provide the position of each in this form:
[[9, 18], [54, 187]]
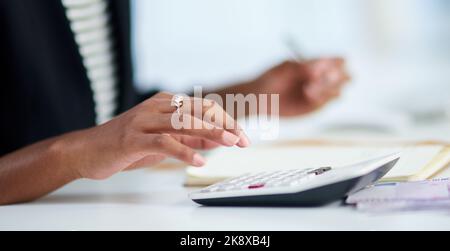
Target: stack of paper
[[423, 195], [417, 162]]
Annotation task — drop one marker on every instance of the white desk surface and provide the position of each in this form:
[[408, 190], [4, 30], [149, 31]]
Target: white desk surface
[[156, 200]]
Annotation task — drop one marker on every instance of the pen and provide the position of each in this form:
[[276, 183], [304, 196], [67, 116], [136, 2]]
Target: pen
[[294, 48]]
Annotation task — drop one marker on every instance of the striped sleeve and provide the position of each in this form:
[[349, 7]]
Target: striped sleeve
[[90, 23]]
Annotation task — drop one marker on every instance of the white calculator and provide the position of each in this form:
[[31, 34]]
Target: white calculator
[[302, 187]]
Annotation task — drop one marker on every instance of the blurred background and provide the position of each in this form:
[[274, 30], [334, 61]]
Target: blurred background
[[398, 53]]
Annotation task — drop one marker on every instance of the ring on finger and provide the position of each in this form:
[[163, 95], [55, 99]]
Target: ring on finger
[[178, 102]]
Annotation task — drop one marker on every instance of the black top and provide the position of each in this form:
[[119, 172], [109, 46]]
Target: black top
[[44, 89]]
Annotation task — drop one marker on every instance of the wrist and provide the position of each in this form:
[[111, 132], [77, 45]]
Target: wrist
[[68, 151]]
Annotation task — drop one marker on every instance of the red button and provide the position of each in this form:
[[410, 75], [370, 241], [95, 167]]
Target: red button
[[256, 186]]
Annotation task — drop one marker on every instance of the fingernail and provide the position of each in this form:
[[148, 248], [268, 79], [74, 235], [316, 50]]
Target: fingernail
[[230, 139], [313, 91], [199, 160], [244, 141]]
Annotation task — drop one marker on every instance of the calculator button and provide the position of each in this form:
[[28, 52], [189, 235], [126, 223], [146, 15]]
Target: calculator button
[[275, 179], [256, 186], [319, 171], [223, 189], [243, 187], [272, 184], [214, 189]]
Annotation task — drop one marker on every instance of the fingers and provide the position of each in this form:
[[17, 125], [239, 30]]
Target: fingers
[[207, 110], [168, 146], [327, 76], [217, 116], [164, 105], [191, 126], [196, 143], [329, 72]]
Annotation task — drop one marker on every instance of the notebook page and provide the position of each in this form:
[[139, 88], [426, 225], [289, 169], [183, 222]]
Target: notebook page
[[231, 162]]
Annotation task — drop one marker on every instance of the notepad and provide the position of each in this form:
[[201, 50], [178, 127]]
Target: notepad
[[416, 163]]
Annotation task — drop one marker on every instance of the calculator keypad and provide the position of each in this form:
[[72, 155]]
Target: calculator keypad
[[276, 179]]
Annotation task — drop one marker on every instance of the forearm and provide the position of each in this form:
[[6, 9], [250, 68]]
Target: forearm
[[142, 136], [37, 170], [244, 88]]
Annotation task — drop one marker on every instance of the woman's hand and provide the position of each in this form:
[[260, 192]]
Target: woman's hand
[[145, 135], [303, 86], [141, 137]]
